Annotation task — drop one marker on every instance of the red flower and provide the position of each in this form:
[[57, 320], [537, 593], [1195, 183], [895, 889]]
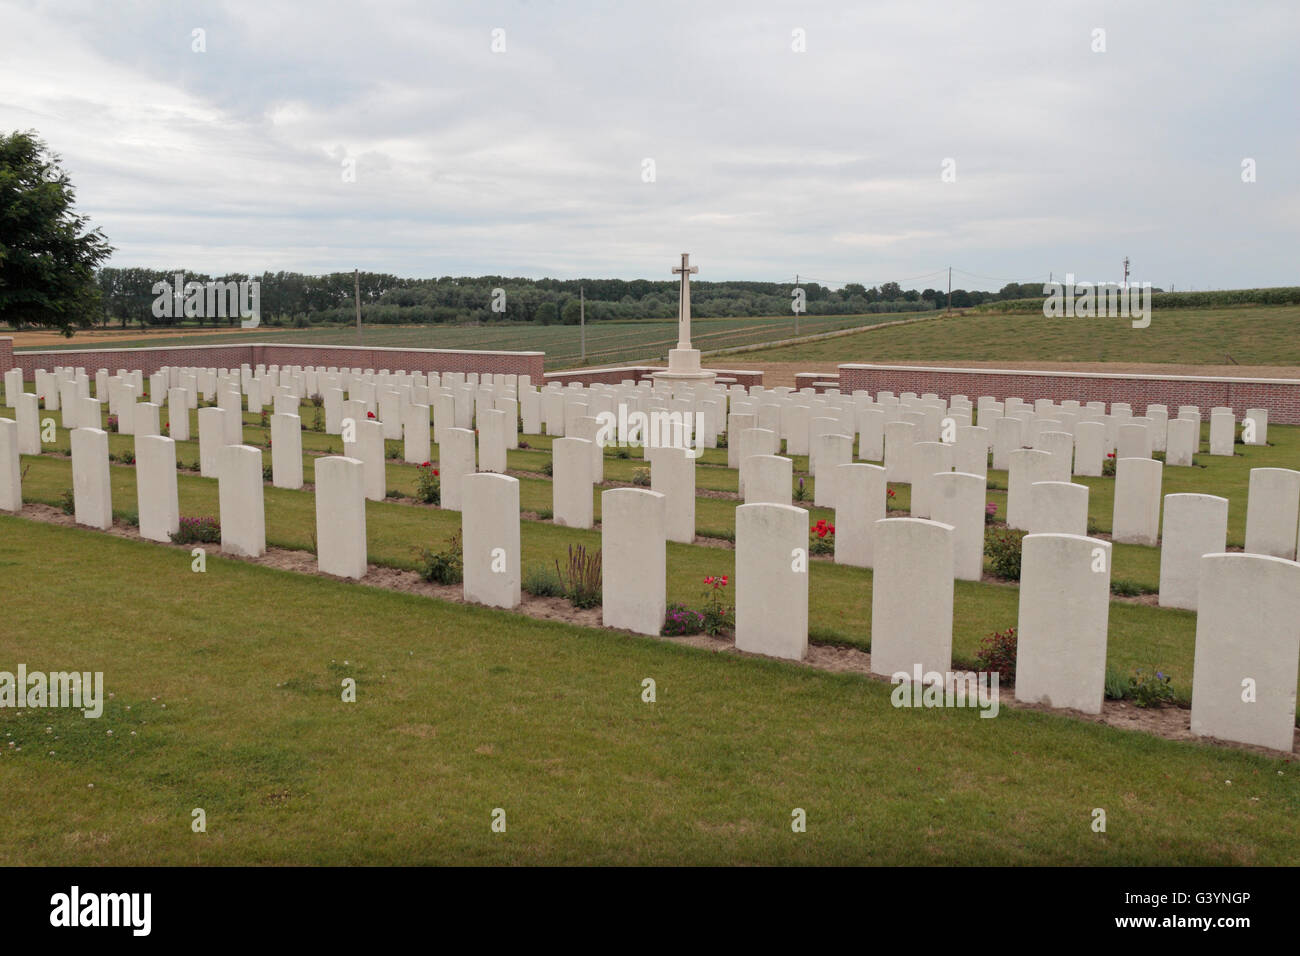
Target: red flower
[[370, 414], [821, 532], [435, 472], [890, 492], [708, 580], [1110, 454], [724, 580], [426, 464]]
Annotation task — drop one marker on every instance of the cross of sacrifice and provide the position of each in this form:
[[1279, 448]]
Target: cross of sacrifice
[[685, 270]]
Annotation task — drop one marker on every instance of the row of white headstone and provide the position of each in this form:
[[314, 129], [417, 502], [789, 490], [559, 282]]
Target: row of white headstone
[[1064, 592]]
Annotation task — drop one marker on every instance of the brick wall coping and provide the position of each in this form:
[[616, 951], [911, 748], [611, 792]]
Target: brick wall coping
[[309, 345], [1059, 374]]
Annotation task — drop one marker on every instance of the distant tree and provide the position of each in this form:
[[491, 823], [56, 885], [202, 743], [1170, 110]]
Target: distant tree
[[890, 291], [572, 312], [547, 314], [853, 288], [47, 255]]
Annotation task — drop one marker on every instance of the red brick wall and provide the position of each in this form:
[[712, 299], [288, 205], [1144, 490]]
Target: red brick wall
[[1280, 396], [150, 360]]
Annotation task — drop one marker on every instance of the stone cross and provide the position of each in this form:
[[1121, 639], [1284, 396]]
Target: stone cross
[[685, 270]]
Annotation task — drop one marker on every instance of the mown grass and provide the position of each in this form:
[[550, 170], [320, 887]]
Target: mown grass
[[1251, 335], [607, 343], [231, 682]]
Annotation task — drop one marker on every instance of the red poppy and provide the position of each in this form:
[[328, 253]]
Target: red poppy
[[370, 414]]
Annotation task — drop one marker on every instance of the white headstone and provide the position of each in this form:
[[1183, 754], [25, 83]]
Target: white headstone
[[490, 532], [1247, 650], [912, 597], [772, 580], [633, 558], [1064, 615], [1194, 526], [341, 516]]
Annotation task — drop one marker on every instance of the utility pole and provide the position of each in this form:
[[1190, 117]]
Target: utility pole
[[796, 315], [1126, 272], [582, 320], [356, 294], [949, 290]]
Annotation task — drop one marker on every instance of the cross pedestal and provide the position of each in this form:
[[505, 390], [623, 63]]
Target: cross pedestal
[[684, 361]]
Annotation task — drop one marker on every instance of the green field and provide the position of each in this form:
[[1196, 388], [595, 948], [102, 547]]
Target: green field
[[1246, 335], [607, 343], [462, 710]]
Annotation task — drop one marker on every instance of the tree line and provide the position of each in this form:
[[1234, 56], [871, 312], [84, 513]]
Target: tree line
[[296, 299]]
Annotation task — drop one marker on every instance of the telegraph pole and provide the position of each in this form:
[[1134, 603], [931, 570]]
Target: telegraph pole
[[949, 290], [582, 320], [796, 315], [1126, 272], [356, 294]]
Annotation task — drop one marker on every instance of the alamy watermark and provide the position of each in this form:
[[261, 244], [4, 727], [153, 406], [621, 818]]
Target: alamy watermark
[[213, 299], [656, 428], [23, 690], [1071, 299], [932, 689]]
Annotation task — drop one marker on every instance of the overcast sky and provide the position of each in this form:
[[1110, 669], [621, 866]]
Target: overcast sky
[[767, 161]]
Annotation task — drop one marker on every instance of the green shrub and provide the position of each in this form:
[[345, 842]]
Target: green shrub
[[997, 652], [1123, 587], [68, 502], [446, 566], [548, 469], [581, 578], [681, 620], [716, 615], [541, 581], [822, 538], [641, 477], [428, 484], [1003, 546], [1116, 685], [198, 531], [1108, 466], [1153, 688]]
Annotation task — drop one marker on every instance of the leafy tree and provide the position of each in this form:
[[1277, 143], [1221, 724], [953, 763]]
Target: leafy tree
[[47, 254]]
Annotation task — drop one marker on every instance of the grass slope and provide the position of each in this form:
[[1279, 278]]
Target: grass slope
[[1252, 335]]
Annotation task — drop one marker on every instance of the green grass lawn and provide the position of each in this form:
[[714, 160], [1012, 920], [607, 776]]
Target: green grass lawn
[[840, 596], [1252, 335], [227, 697], [643, 340]]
